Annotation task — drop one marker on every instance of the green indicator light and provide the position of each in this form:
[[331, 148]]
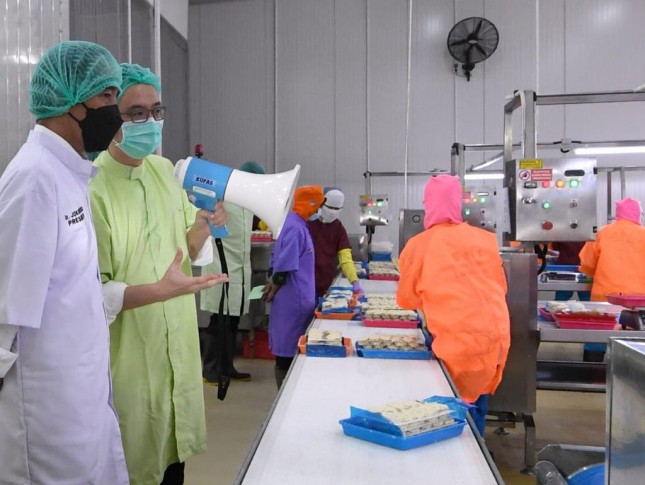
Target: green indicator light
[[574, 183], [546, 205], [482, 200], [467, 212]]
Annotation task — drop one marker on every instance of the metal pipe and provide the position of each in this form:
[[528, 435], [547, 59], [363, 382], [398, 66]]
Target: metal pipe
[[609, 195], [129, 31], [622, 183], [589, 98]]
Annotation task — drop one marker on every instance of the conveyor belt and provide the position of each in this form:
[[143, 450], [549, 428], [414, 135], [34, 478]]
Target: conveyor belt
[[303, 442]]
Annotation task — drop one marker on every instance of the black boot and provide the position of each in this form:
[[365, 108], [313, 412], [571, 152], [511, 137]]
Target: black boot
[[209, 356], [235, 375]]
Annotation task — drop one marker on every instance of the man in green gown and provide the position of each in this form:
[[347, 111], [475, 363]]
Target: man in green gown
[[148, 233]]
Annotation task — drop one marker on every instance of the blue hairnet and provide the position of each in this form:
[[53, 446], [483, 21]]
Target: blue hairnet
[[252, 167], [136, 74], [70, 73]]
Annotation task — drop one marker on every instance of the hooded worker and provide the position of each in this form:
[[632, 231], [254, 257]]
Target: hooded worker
[[616, 259], [453, 273], [331, 244], [292, 287], [57, 420]]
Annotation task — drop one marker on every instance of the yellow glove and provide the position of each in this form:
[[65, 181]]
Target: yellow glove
[[347, 264], [262, 226]]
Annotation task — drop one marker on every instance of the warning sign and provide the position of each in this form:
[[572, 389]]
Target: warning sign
[[542, 175], [524, 175], [531, 163]]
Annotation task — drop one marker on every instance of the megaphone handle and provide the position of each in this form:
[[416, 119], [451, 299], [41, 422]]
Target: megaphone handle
[[218, 232]]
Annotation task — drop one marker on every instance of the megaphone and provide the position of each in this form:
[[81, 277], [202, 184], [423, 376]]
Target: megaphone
[[268, 196]]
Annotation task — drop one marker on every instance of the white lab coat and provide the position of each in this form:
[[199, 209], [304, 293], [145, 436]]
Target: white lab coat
[[57, 422]]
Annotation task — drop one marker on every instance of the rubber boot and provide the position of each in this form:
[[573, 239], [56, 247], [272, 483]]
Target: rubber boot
[[280, 374], [233, 372], [209, 357]]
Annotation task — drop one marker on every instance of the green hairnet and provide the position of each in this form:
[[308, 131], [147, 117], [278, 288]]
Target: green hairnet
[[252, 167], [136, 74], [70, 73]]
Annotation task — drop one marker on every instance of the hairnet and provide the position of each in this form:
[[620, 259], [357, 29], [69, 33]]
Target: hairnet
[[335, 199], [628, 209], [442, 200], [252, 167], [70, 73], [136, 74], [307, 200]]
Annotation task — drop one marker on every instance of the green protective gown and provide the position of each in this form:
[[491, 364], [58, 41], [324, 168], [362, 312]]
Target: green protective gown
[[141, 217], [237, 248]]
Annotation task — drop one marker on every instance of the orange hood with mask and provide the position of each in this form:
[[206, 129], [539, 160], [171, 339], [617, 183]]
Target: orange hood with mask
[[307, 199]]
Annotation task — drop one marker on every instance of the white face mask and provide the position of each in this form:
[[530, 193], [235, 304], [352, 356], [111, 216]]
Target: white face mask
[[328, 215]]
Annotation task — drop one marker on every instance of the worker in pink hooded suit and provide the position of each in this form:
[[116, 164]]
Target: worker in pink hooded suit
[[453, 273]]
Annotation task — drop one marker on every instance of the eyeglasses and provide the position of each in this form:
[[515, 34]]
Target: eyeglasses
[[141, 115]]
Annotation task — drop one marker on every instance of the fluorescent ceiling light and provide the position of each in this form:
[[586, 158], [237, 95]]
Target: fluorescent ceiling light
[[489, 162], [484, 176], [608, 150]]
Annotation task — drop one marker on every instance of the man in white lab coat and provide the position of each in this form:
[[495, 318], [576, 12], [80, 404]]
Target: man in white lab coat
[[57, 422]]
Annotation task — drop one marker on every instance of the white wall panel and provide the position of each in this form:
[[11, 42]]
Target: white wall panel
[[469, 95], [387, 57], [350, 93], [305, 88], [551, 68], [432, 87], [231, 68], [513, 66], [27, 29]]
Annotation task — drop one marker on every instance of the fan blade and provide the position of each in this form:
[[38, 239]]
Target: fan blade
[[479, 26], [459, 42], [483, 52]]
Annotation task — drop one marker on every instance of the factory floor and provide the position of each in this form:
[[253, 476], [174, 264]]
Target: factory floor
[[562, 417]]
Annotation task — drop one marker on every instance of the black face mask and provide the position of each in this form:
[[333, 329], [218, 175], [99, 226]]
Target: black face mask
[[99, 127]]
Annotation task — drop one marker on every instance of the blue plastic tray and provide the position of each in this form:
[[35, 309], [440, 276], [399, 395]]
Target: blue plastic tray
[[393, 354], [350, 428], [326, 351], [380, 256]]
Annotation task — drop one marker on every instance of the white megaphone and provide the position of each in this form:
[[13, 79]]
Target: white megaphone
[[268, 196]]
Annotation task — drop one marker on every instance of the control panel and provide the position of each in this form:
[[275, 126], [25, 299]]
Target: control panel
[[479, 207], [552, 199], [373, 210]]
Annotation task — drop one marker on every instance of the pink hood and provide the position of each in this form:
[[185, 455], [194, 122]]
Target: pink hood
[[629, 210], [442, 200]]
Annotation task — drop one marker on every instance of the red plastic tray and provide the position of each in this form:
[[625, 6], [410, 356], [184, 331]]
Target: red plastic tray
[[546, 314], [629, 301], [383, 278], [262, 239], [585, 321], [391, 323]]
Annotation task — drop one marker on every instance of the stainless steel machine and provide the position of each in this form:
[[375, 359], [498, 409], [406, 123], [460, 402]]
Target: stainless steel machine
[[410, 224], [552, 199], [625, 454], [479, 207], [374, 210]]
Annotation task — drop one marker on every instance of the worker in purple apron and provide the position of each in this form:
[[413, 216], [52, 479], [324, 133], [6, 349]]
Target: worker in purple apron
[[291, 288]]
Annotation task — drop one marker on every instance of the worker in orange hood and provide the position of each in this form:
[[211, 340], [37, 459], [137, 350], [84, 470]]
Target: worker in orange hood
[[616, 259], [453, 273]]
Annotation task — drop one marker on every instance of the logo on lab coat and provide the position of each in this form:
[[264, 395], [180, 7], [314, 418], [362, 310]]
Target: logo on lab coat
[[75, 217]]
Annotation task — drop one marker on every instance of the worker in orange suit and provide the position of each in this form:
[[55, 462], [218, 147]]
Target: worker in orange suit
[[616, 259], [452, 271]]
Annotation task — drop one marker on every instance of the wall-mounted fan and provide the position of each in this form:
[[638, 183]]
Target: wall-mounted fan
[[472, 40]]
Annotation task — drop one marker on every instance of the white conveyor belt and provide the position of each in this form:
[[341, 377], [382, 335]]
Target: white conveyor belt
[[304, 444]]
